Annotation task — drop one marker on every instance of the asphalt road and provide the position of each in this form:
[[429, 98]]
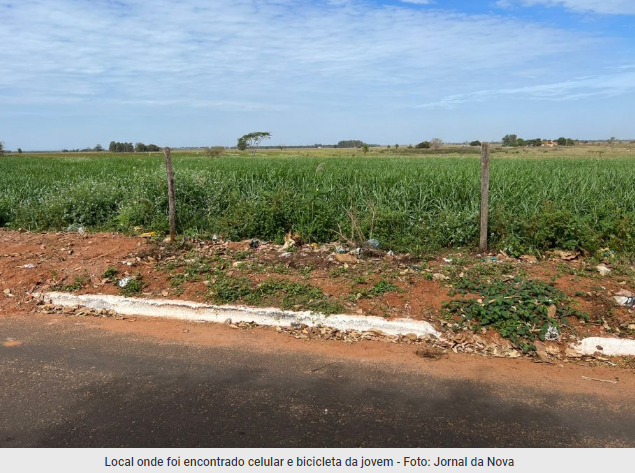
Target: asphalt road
[[67, 385]]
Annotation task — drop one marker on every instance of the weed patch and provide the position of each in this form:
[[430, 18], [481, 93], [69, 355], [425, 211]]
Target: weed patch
[[228, 289], [130, 286], [76, 285], [518, 309], [380, 287]]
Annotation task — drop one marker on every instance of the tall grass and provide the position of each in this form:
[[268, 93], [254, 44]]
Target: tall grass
[[408, 204]]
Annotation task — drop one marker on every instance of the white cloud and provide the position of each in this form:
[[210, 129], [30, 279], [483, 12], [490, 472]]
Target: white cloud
[[418, 2], [610, 85], [252, 51], [609, 7]]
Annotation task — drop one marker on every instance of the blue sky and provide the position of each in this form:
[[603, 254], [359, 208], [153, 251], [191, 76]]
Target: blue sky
[[204, 72]]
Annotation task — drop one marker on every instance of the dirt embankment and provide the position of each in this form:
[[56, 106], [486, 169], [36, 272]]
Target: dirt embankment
[[325, 278]]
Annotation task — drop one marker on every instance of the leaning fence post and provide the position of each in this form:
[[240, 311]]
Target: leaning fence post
[[171, 206], [485, 155]]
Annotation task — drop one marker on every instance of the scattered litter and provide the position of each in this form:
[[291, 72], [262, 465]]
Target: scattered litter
[[285, 255], [606, 254], [124, 282], [528, 258], [147, 235], [447, 260], [288, 242], [29, 266], [440, 277], [254, 244], [374, 243], [390, 253], [75, 228], [552, 334], [214, 237], [490, 259], [625, 301], [340, 250], [600, 380], [603, 270], [566, 255], [346, 258]]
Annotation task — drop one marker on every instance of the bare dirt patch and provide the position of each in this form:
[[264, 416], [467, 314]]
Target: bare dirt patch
[[313, 278]]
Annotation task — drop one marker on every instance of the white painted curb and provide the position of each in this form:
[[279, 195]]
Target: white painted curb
[[195, 311], [610, 346]]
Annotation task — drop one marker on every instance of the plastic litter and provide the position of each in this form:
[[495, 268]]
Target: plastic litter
[[124, 282], [340, 250], [29, 266], [552, 333], [603, 270], [625, 301], [254, 243], [374, 243]]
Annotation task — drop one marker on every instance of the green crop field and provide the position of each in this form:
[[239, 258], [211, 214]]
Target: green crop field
[[571, 199]]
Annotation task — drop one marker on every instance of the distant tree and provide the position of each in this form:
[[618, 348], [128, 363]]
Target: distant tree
[[397, 146], [152, 148], [612, 140], [281, 147], [117, 147], [570, 142], [1, 149], [19, 150], [520, 142], [251, 141], [140, 148], [350, 144], [562, 141], [436, 143], [388, 147], [475, 143], [510, 140], [98, 148], [423, 145], [365, 148]]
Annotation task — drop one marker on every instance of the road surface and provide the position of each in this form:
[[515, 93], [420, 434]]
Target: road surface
[[73, 382]]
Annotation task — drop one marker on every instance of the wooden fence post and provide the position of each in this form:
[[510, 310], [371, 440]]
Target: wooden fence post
[[171, 204], [485, 155]]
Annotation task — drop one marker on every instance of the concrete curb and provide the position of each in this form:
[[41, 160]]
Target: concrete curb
[[195, 311], [610, 346]]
